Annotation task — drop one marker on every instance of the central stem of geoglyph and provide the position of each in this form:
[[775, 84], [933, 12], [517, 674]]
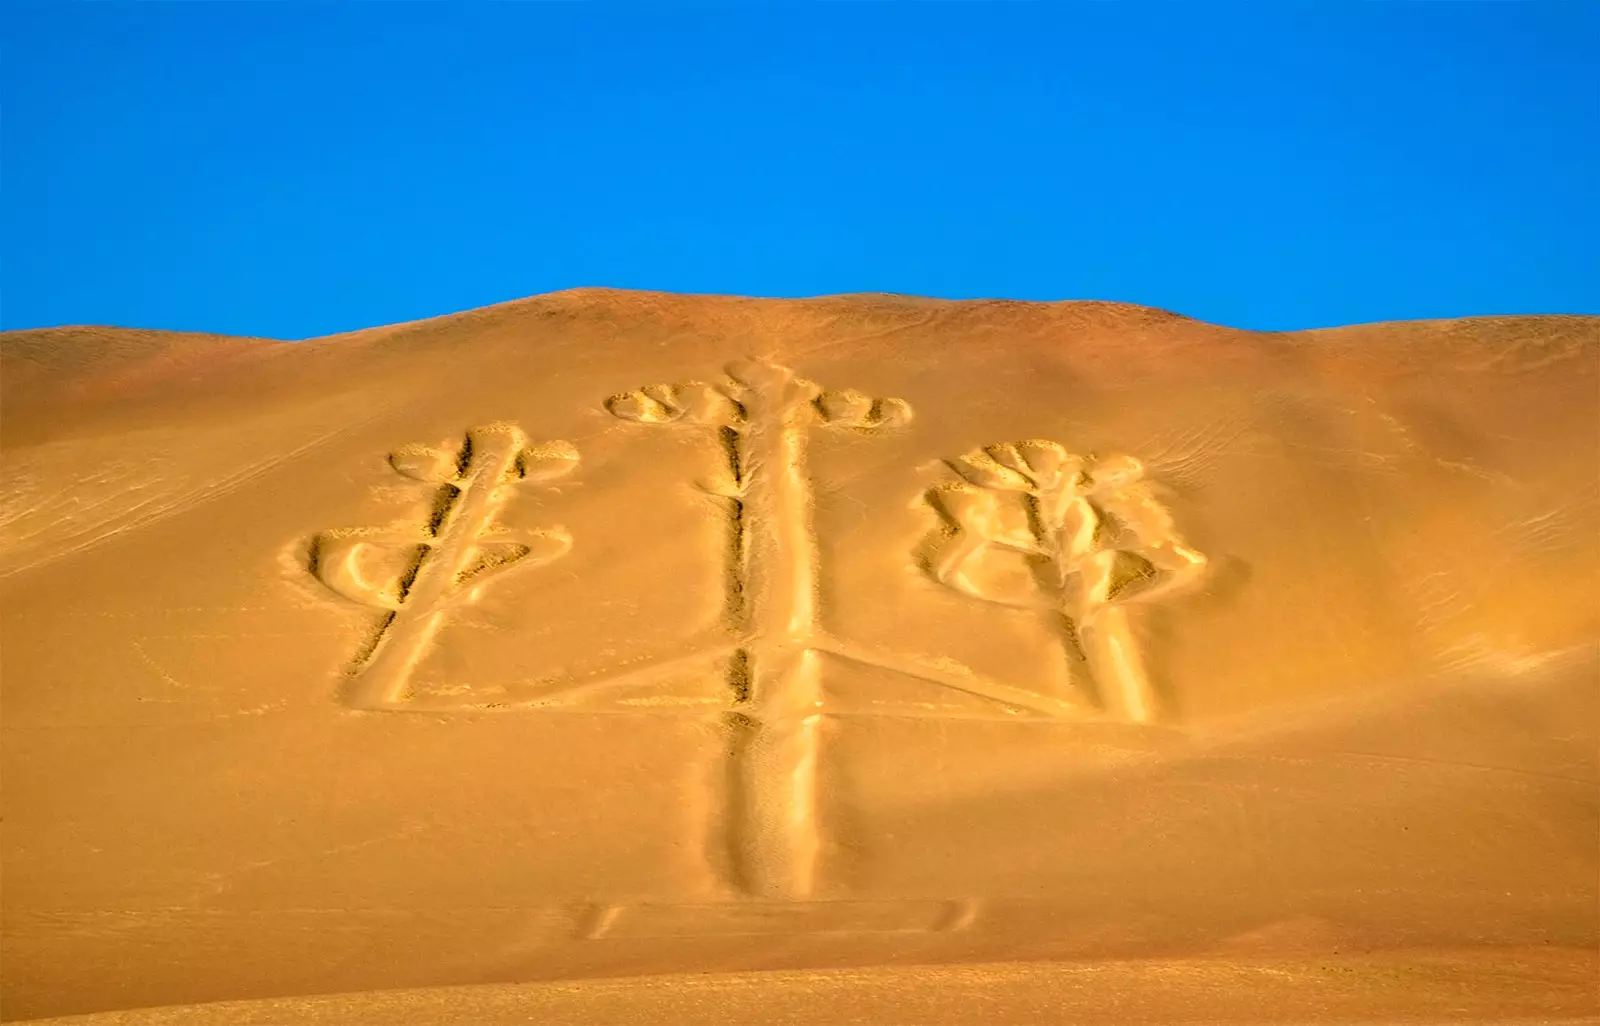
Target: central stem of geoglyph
[[772, 783], [765, 414]]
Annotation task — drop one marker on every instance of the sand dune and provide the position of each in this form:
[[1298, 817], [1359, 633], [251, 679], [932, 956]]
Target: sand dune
[[614, 657]]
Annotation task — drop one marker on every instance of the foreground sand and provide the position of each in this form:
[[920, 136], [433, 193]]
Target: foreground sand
[[1508, 986], [982, 661]]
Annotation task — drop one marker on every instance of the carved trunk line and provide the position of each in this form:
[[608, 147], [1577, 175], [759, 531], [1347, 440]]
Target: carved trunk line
[[382, 681], [773, 833]]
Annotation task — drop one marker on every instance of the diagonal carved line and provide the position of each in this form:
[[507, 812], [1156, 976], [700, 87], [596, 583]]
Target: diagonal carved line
[[563, 691], [1042, 705]]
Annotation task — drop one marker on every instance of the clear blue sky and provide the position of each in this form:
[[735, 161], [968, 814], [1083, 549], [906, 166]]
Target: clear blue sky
[[297, 170]]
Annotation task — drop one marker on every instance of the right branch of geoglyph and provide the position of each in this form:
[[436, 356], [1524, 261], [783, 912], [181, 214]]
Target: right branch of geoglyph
[[1096, 537], [450, 558]]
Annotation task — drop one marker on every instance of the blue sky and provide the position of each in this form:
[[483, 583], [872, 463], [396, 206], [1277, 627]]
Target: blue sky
[[298, 170]]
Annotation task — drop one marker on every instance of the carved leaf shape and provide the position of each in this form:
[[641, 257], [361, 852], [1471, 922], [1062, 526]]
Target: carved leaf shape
[[499, 436], [666, 395], [548, 461], [1054, 496], [1138, 509], [338, 566], [983, 471], [637, 406], [1113, 472], [546, 546], [849, 408], [1008, 457], [971, 509], [798, 392], [491, 556], [496, 555], [1131, 575], [1079, 532], [758, 374], [1044, 458], [1114, 575], [704, 403], [890, 413], [422, 463]]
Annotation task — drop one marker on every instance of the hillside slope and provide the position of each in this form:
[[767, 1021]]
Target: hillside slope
[[605, 634]]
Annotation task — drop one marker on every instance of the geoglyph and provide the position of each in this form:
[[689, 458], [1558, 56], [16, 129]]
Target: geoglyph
[[451, 557], [1099, 540]]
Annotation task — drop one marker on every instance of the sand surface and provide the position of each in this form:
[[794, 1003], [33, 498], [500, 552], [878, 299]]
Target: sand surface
[[625, 657]]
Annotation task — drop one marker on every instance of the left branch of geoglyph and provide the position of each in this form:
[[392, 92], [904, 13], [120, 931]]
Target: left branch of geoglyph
[[447, 560]]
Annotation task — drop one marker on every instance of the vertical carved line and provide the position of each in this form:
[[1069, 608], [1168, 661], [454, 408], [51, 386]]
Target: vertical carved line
[[1113, 651], [736, 573], [772, 773], [1046, 509], [780, 577], [762, 419], [739, 677], [773, 830]]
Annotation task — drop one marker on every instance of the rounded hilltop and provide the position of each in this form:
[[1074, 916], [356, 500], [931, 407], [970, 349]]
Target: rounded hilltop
[[622, 299]]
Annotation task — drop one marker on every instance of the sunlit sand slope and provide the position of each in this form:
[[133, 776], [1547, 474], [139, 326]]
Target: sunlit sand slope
[[604, 634]]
